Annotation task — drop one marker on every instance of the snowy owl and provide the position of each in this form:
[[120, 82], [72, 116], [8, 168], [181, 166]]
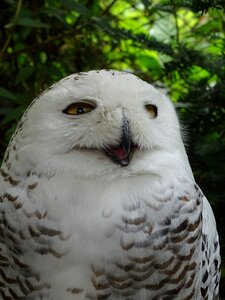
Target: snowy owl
[[98, 200]]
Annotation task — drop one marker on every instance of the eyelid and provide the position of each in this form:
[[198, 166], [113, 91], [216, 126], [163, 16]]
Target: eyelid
[[88, 101]]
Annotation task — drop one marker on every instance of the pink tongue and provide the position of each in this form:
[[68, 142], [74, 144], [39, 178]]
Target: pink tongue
[[119, 152]]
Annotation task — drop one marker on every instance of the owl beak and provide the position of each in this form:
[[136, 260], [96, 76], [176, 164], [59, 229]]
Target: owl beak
[[122, 153]]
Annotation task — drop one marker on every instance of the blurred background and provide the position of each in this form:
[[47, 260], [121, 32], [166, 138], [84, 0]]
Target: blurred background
[[176, 45]]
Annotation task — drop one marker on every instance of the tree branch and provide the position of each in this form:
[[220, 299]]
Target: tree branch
[[176, 22], [18, 8], [107, 9], [39, 45]]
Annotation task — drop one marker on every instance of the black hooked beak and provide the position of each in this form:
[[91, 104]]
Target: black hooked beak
[[122, 153]]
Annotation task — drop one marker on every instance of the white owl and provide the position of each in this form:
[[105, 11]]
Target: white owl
[[98, 200]]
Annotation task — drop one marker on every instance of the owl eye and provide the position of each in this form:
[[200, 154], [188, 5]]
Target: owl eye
[[79, 108], [152, 110]]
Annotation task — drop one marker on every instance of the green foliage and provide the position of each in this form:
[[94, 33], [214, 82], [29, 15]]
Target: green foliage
[[178, 45]]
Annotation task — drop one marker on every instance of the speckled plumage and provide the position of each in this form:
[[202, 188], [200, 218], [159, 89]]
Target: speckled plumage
[[82, 220]]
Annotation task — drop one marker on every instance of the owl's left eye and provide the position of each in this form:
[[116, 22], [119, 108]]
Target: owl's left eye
[[78, 108], [152, 110]]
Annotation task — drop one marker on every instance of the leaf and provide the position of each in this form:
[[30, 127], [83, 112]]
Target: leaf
[[6, 94], [72, 5], [53, 12], [24, 74], [13, 115], [146, 3], [148, 62], [22, 21]]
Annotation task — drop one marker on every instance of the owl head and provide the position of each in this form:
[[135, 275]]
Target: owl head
[[98, 123]]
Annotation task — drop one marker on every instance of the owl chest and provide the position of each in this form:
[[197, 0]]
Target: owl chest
[[139, 242], [123, 219], [124, 239]]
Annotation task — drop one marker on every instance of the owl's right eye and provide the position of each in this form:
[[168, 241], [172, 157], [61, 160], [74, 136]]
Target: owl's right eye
[[78, 108]]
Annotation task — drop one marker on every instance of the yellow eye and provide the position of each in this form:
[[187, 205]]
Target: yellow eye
[[152, 110], [78, 108]]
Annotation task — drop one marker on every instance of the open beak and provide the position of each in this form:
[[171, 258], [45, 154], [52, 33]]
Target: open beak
[[122, 153]]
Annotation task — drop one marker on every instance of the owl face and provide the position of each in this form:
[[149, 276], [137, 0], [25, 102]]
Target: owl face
[[106, 121]]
